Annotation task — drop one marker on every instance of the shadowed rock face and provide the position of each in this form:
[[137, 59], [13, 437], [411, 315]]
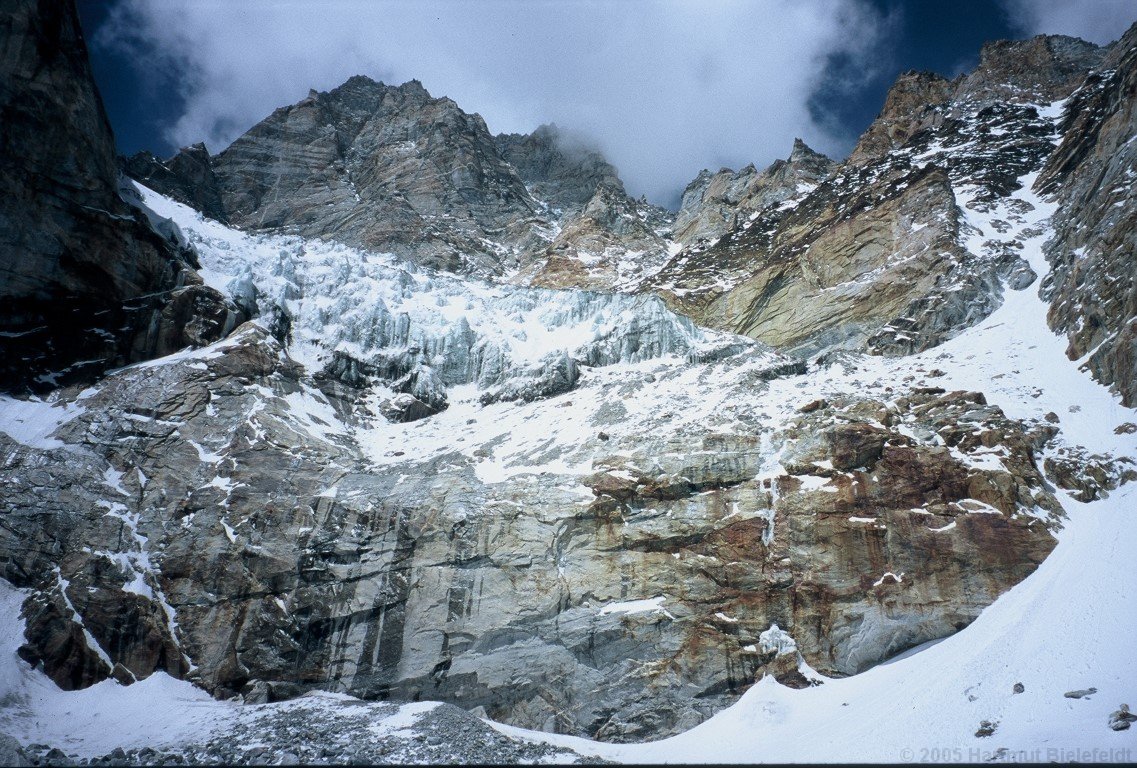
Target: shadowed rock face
[[187, 177], [86, 283], [559, 170], [1093, 289]]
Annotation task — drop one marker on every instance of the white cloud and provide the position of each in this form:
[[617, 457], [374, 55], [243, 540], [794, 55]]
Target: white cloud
[[666, 88], [1098, 21]]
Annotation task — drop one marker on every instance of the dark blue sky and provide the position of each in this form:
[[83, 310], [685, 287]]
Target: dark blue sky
[[662, 88], [944, 37]]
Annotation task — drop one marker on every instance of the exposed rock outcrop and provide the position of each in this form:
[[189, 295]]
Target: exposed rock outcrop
[[187, 177], [910, 240], [713, 204], [1093, 288], [382, 167], [561, 170], [227, 526], [913, 102]]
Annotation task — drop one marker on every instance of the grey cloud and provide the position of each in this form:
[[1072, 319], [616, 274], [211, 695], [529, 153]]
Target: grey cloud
[[664, 88], [1099, 21]]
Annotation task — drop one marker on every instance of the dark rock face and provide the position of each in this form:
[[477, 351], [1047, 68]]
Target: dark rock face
[[84, 278], [187, 177], [559, 170], [1093, 288]]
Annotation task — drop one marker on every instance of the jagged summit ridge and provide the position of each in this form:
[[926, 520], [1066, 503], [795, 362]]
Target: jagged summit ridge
[[391, 168]]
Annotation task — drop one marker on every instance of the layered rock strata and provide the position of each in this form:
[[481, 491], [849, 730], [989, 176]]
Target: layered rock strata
[[228, 525], [880, 254]]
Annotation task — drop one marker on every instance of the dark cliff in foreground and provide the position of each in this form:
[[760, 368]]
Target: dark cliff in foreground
[[86, 282]]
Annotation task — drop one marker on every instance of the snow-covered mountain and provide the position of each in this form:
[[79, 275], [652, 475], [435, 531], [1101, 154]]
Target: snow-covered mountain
[[424, 415]]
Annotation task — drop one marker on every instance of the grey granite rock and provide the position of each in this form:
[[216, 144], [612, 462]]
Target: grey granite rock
[[210, 511]]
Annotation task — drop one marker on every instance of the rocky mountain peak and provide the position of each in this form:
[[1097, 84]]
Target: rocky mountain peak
[[912, 99], [560, 168], [391, 168], [803, 153], [713, 203], [388, 168], [1039, 70]]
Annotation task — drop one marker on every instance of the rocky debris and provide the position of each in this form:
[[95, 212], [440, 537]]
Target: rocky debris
[[88, 283], [1081, 693], [323, 730], [1093, 288], [986, 728], [1121, 718], [12, 753], [1089, 476], [779, 658]]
